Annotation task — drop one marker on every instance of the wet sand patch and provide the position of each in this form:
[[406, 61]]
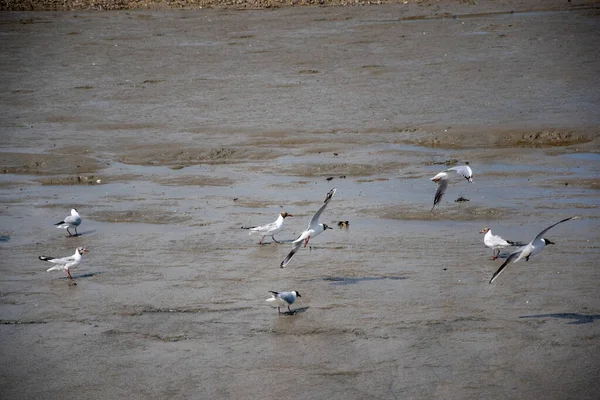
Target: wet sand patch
[[145, 215], [465, 137], [193, 180], [334, 169], [167, 154], [448, 212], [51, 164]]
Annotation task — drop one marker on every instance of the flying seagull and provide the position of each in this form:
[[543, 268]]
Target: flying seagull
[[314, 229], [535, 246], [442, 180]]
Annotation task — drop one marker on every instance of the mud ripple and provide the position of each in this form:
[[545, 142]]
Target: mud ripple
[[452, 213], [194, 180], [182, 156], [47, 164], [144, 216], [336, 169]]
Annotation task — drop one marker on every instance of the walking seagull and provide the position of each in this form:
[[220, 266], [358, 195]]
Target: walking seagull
[[535, 246], [314, 229], [72, 221], [65, 263], [270, 229], [442, 180], [496, 243], [282, 299]]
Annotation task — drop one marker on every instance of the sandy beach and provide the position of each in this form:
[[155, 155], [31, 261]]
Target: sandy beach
[[169, 130]]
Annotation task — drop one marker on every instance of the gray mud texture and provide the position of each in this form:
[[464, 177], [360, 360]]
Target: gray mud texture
[[170, 130]]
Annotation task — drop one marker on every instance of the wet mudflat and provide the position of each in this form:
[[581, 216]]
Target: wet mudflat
[[169, 131]]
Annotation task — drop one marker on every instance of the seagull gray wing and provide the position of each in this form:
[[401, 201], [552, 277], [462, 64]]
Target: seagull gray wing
[[539, 235], [509, 259], [463, 170], [314, 221], [288, 297], [439, 193], [291, 255], [73, 220]]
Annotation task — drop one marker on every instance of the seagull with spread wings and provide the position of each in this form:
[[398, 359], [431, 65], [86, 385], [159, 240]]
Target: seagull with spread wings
[[442, 180], [314, 229], [532, 248]]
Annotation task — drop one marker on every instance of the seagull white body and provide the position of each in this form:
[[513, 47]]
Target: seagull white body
[[72, 221], [65, 263], [314, 229], [495, 242], [283, 299], [270, 229], [442, 180], [531, 249]]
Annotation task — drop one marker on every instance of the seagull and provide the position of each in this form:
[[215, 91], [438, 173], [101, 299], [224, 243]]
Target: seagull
[[72, 221], [442, 180], [283, 299], [270, 229], [65, 263], [496, 243], [535, 246], [314, 229]]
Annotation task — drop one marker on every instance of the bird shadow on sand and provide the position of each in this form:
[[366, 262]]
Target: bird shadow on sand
[[341, 280], [295, 311], [4, 238], [82, 233], [82, 276], [577, 318], [281, 241]]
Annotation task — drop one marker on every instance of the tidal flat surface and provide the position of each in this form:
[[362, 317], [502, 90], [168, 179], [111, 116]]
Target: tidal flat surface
[[168, 131]]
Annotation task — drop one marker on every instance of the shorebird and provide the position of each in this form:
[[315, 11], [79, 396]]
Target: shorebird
[[72, 221], [65, 263], [496, 243], [282, 299], [269, 229], [442, 180], [534, 247], [314, 229]]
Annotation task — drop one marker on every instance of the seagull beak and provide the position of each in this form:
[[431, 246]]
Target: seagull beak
[[483, 231], [86, 251]]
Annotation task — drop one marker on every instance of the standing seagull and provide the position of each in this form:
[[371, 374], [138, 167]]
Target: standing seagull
[[72, 221], [496, 243], [65, 263], [270, 229], [442, 180], [535, 246], [283, 299], [314, 229]]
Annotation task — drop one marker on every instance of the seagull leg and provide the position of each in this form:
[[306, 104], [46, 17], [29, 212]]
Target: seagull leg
[[69, 232], [279, 309], [261, 239], [495, 255], [290, 310], [71, 281], [275, 240], [306, 241], [76, 234]]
